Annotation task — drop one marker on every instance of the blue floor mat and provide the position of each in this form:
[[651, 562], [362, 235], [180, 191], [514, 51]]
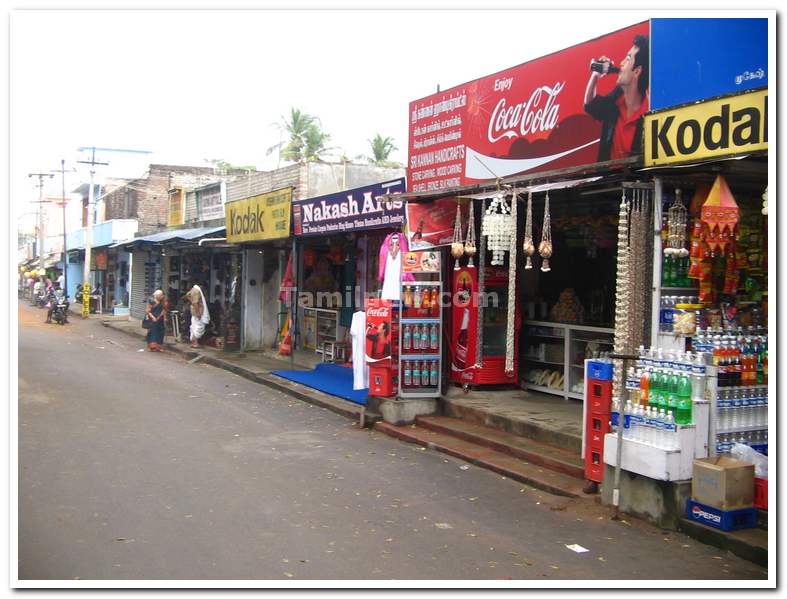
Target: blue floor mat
[[328, 378]]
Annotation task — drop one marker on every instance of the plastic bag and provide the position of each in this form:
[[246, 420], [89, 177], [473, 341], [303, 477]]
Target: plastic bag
[[746, 454]]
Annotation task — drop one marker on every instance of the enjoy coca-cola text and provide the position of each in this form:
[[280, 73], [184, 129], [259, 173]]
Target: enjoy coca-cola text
[[539, 113]]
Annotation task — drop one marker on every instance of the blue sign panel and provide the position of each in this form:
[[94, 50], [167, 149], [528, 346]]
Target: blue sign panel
[[697, 59], [352, 210]]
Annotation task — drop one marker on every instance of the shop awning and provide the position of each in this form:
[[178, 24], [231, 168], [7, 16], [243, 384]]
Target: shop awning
[[170, 235], [536, 188]]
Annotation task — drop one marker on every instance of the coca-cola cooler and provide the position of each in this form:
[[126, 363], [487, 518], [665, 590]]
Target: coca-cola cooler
[[464, 333], [382, 346]]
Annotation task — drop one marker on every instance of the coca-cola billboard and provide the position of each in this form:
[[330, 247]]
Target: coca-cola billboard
[[528, 118]]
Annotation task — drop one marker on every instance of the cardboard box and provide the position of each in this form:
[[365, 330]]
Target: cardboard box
[[723, 482]]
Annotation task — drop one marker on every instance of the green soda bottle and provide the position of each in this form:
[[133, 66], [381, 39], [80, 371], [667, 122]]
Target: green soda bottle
[[683, 414], [656, 382]]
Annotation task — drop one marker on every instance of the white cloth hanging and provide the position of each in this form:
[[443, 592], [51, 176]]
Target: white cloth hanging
[[392, 284], [360, 367]]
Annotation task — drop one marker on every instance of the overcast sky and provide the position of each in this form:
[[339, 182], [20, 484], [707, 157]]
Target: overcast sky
[[191, 85]]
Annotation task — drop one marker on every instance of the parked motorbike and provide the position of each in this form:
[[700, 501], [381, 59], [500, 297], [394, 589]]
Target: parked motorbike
[[60, 307], [41, 299]]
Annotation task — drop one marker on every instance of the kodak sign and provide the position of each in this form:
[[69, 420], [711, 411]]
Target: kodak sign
[[726, 126], [259, 218]]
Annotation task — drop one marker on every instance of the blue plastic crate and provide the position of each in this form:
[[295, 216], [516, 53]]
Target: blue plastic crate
[[601, 371], [725, 520]]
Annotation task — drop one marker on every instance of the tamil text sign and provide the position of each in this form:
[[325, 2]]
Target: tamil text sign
[[259, 218], [352, 210], [210, 201], [722, 127], [528, 118]]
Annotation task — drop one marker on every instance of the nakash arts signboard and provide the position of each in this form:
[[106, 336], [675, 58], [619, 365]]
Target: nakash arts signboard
[[528, 118], [352, 210]]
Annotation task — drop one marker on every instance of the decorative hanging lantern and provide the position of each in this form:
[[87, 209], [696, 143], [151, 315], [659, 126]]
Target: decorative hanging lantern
[[721, 214], [698, 199], [527, 246], [457, 247], [497, 227], [470, 248], [676, 229], [545, 247]]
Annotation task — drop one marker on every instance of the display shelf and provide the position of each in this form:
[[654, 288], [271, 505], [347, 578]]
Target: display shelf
[[742, 429], [530, 359], [552, 390], [434, 356], [680, 289], [575, 395], [419, 320]]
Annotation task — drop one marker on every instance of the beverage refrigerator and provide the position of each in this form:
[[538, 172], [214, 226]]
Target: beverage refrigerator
[[466, 306]]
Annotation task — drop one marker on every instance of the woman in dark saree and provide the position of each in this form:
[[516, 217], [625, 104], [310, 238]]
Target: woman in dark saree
[[155, 313]]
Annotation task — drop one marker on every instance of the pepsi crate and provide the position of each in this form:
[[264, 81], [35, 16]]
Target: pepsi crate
[[725, 520], [601, 371]]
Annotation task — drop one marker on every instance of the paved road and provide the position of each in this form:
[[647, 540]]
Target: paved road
[[135, 465]]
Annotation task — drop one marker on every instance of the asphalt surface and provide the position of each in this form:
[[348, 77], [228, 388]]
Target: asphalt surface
[[138, 465]]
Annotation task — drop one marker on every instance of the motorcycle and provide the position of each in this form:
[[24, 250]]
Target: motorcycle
[[59, 307], [41, 299]]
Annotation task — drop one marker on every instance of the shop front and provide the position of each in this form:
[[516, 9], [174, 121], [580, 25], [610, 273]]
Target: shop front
[[260, 226], [338, 243]]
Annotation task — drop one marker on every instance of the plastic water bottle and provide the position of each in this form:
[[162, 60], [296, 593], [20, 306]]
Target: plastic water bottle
[[627, 420], [735, 423], [406, 337], [671, 433], [614, 413]]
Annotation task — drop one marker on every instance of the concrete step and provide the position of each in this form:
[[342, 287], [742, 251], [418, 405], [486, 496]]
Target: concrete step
[[516, 426], [485, 457], [534, 452], [750, 543]]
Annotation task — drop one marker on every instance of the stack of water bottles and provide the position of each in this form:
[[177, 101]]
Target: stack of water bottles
[[663, 387]]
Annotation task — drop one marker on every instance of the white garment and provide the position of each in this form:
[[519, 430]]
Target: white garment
[[197, 328], [392, 281], [61, 280], [360, 367]]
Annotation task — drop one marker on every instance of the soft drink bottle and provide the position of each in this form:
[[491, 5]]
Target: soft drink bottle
[[408, 375], [425, 337], [655, 388], [433, 374], [406, 337], [417, 298], [425, 373], [683, 410], [434, 337], [416, 374], [644, 386], [614, 413]]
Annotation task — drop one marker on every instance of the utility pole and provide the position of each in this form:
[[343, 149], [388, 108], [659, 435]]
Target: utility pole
[[40, 215], [89, 229], [63, 203]]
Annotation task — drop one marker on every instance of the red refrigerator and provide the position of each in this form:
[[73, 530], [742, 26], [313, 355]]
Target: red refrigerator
[[464, 329]]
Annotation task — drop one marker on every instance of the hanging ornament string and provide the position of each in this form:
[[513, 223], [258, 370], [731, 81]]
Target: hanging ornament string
[[621, 294], [479, 347], [470, 248], [545, 247], [457, 247], [509, 367], [676, 227], [496, 227], [527, 246]]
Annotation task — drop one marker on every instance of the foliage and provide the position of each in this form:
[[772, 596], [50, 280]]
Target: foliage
[[382, 148], [307, 141]]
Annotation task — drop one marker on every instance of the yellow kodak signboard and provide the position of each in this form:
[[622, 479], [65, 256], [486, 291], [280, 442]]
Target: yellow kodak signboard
[[262, 217], [726, 126]]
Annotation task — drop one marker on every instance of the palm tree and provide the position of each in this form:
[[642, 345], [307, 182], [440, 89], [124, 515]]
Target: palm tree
[[306, 140], [382, 147]]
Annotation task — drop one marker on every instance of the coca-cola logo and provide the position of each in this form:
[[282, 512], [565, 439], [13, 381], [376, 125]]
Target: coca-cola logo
[[538, 114], [378, 312]]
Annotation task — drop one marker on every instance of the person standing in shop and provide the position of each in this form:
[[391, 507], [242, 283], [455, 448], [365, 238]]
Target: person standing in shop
[[621, 111], [200, 316]]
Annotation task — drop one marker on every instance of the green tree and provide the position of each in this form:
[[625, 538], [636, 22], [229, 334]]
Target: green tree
[[307, 141], [222, 165], [382, 147]]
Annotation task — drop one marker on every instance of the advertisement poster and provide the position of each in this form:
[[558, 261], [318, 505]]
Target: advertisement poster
[[697, 59], [431, 224], [529, 118], [210, 201], [421, 262], [381, 330], [261, 217], [176, 203], [352, 210]]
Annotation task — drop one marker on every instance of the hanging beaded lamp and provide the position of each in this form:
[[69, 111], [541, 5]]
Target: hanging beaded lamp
[[527, 246], [457, 247], [676, 229], [470, 248], [497, 227], [545, 247]]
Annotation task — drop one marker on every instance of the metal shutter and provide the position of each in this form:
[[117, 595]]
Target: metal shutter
[[137, 296]]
